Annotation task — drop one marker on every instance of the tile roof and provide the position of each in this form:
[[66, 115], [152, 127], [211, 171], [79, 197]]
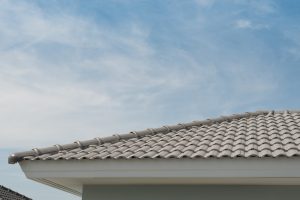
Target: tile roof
[[8, 194], [254, 134]]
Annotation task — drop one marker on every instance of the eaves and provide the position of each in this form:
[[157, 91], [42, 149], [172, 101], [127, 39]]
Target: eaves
[[71, 175]]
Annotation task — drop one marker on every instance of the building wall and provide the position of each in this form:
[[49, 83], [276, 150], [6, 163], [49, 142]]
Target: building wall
[[189, 192]]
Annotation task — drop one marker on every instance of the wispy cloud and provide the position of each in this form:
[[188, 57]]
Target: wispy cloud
[[243, 23], [43, 71], [64, 77], [293, 38], [64, 70], [205, 3], [88, 69], [265, 7], [248, 24]]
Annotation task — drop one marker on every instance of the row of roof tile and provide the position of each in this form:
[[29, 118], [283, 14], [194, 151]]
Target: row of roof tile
[[259, 134]]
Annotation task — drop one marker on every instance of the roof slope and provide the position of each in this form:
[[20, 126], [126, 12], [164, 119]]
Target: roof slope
[[256, 134], [7, 194]]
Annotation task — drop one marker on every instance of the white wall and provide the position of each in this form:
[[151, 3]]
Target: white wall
[[190, 192]]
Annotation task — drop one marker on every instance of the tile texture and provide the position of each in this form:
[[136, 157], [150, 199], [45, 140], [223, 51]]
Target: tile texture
[[256, 134], [7, 194]]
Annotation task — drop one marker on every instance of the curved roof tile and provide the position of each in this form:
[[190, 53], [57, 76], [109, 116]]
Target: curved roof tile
[[254, 134]]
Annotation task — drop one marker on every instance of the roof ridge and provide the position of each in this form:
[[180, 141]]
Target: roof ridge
[[16, 157]]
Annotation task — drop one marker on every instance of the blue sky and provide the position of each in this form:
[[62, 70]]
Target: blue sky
[[74, 70]]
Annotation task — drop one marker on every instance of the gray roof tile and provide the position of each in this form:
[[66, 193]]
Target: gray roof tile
[[259, 134], [8, 194]]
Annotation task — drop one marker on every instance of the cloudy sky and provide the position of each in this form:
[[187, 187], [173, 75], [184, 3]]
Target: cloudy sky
[[74, 70]]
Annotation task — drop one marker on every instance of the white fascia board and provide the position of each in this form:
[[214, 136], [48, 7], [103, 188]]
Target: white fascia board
[[200, 168], [73, 174]]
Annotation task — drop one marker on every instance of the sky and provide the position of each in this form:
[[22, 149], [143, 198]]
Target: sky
[[74, 70]]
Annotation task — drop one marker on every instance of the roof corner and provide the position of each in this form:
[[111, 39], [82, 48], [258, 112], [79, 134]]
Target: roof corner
[[12, 159]]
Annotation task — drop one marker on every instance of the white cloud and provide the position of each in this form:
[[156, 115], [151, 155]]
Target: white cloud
[[265, 7], [293, 49], [257, 7], [36, 92], [205, 3], [243, 23], [63, 78], [248, 24], [45, 96]]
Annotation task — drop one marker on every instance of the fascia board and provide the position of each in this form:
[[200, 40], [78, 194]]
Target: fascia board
[[65, 174], [171, 168]]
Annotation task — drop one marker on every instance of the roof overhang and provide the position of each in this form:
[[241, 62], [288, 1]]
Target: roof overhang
[[71, 175]]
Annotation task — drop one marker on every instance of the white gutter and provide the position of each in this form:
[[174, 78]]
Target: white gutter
[[71, 175]]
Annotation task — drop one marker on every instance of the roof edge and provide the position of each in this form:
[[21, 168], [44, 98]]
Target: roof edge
[[16, 157]]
